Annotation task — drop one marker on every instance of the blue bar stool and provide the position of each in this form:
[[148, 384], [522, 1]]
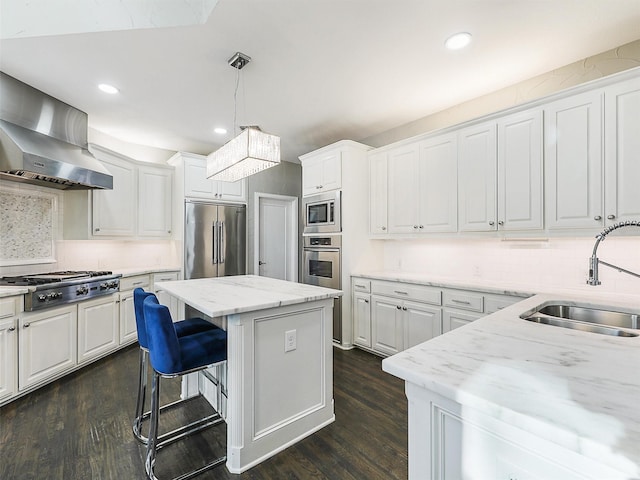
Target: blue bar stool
[[172, 356], [184, 327]]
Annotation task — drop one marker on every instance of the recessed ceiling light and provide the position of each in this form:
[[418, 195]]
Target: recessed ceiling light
[[106, 88], [458, 41], [220, 130]]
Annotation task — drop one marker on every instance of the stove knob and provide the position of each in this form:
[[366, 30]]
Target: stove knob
[[81, 291], [104, 286], [42, 298]]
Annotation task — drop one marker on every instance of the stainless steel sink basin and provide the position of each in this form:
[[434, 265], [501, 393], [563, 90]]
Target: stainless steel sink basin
[[585, 318]]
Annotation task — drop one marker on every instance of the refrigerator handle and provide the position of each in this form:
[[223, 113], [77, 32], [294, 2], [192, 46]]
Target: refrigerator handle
[[221, 243], [214, 245]]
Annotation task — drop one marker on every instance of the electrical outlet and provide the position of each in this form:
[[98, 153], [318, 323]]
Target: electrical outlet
[[289, 340]]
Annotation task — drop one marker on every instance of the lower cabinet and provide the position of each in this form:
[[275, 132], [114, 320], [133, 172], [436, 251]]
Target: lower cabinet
[[47, 344], [98, 327], [389, 317], [163, 297], [128, 329], [8, 357]]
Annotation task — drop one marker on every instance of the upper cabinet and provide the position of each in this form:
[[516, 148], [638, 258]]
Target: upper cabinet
[[500, 174], [622, 151], [404, 186], [378, 223], [321, 171], [197, 185], [140, 203]]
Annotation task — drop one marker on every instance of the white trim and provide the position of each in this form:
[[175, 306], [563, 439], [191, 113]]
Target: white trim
[[292, 271]]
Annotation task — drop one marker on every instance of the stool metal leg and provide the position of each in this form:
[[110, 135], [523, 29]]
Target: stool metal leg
[[142, 392]]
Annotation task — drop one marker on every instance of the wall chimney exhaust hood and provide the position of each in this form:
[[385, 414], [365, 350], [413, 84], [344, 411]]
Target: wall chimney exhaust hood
[[43, 141]]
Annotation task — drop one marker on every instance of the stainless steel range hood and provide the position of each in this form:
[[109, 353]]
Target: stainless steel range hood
[[43, 141]]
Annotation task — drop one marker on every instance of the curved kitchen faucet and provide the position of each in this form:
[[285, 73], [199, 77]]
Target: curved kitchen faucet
[[594, 261]]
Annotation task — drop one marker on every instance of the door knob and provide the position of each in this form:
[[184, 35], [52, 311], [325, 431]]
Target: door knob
[[611, 217], [260, 262]]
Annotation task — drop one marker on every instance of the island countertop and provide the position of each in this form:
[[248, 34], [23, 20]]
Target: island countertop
[[576, 389], [220, 296]]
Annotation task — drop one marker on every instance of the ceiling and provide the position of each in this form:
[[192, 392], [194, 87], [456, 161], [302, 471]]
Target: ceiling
[[321, 70]]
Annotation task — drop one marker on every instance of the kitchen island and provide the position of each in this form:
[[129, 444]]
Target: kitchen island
[[280, 359], [504, 398]]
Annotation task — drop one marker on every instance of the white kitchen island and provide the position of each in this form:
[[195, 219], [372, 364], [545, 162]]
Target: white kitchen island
[[280, 359], [506, 399]]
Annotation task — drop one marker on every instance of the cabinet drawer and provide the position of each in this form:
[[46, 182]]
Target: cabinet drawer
[[493, 303], [9, 307], [129, 283], [463, 300], [416, 293], [164, 277], [361, 285]]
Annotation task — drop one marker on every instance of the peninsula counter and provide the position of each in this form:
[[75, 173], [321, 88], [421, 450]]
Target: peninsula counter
[[280, 359]]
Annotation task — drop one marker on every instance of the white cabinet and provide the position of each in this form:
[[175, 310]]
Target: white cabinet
[[9, 310], [622, 151], [197, 185], [404, 188], [500, 174], [361, 306], [164, 298], [155, 189], [98, 328], [386, 325], [573, 162], [378, 193], [47, 344], [421, 323], [128, 329], [115, 211], [321, 171], [140, 203], [460, 308]]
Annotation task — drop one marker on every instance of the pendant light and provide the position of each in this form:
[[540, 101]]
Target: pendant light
[[249, 152]]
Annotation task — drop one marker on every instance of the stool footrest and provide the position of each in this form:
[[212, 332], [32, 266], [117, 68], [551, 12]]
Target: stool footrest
[[186, 430]]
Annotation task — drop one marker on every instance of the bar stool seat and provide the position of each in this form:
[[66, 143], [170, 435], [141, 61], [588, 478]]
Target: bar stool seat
[[172, 356], [182, 328]]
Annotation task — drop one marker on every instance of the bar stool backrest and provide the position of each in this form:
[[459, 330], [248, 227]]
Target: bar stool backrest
[[164, 348], [139, 295]]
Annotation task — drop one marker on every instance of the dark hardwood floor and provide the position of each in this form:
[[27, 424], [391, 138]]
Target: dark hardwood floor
[[79, 427]]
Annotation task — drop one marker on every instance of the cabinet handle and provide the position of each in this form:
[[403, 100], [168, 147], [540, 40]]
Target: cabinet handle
[[360, 286], [404, 308], [318, 187], [399, 292], [366, 301], [463, 302], [168, 231], [398, 307], [11, 329], [500, 222], [26, 325], [421, 226], [137, 283], [415, 226], [96, 229], [384, 228], [492, 223], [611, 217], [597, 218]]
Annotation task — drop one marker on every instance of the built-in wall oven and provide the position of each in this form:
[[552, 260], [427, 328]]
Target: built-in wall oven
[[323, 213], [322, 267]]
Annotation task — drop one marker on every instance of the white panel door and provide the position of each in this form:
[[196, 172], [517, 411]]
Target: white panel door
[[477, 176], [421, 323], [622, 152], [8, 357], [520, 171], [438, 201], [47, 344], [97, 327], [404, 185], [573, 162], [128, 329], [386, 325], [378, 193], [115, 211], [362, 319], [275, 238]]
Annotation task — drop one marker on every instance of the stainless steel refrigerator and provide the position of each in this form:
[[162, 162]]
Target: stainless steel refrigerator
[[215, 240]]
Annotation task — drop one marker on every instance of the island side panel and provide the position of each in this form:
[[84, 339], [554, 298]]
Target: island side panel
[[277, 397]]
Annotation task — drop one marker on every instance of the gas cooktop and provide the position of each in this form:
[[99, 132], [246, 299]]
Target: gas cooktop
[[51, 277]]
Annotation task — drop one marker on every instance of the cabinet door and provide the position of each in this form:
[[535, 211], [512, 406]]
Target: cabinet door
[[622, 151], [233, 191], [47, 344], [128, 329], [378, 193], [520, 171], [404, 185], [421, 323], [361, 306], [114, 211], [196, 183], [438, 177], [154, 201], [477, 176], [97, 327], [8, 357], [452, 319], [322, 173], [386, 325], [573, 162]]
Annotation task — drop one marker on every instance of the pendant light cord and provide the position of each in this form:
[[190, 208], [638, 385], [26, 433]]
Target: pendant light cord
[[235, 104]]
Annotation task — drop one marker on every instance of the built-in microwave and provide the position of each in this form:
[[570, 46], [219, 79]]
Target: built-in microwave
[[322, 213]]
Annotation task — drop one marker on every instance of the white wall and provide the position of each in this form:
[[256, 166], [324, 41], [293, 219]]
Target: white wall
[[538, 265]]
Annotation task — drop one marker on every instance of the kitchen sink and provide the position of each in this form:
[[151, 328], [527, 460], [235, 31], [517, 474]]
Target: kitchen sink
[[585, 318]]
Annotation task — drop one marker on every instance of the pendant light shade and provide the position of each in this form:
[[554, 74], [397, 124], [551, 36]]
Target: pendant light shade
[[250, 152]]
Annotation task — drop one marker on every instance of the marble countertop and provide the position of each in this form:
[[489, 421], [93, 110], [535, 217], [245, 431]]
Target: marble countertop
[[131, 272], [12, 291], [577, 389], [220, 296]]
